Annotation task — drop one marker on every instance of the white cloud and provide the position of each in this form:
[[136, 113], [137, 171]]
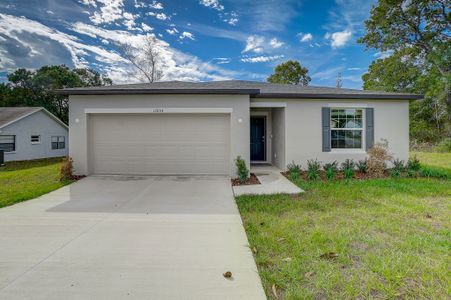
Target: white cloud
[[339, 38], [257, 59], [383, 54], [110, 11], [254, 43], [156, 5], [88, 2], [146, 27], [172, 31], [327, 74], [212, 4], [354, 69], [275, 43], [221, 60], [186, 34], [307, 37], [159, 16]]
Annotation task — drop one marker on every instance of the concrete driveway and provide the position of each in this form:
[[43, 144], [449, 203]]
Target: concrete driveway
[[128, 237]]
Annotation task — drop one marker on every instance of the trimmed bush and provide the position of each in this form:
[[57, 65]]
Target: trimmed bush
[[348, 168], [331, 170], [362, 165], [313, 169], [293, 170], [243, 171], [413, 164]]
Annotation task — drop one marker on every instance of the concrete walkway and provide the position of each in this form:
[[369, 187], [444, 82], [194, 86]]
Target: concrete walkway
[[134, 238], [272, 182]]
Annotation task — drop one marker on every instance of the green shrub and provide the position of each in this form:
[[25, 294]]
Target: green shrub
[[293, 170], [362, 165], [413, 164], [399, 165], [243, 171], [444, 146], [331, 170], [313, 168], [395, 173], [348, 168]]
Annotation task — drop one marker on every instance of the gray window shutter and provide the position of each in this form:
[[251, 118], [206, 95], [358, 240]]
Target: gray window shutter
[[369, 116], [325, 117]]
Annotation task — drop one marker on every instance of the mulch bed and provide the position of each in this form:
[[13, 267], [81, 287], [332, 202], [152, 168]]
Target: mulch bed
[[339, 176], [250, 181]]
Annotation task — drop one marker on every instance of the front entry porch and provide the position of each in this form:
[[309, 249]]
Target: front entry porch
[[267, 134]]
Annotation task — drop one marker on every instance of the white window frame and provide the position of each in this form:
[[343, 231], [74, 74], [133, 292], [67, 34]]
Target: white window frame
[[35, 142], [57, 142], [362, 144], [14, 143]]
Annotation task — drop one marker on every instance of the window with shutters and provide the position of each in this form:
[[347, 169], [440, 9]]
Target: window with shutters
[[58, 142], [8, 143], [346, 125]]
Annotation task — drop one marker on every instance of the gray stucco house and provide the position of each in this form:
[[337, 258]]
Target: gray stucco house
[[31, 133], [200, 128]]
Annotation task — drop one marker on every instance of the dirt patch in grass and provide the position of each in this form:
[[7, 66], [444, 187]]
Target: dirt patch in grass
[[250, 181]]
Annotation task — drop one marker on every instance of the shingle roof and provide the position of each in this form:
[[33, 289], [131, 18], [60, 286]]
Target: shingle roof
[[9, 115], [255, 89]]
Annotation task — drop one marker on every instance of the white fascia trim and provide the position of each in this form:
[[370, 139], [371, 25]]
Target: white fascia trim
[[348, 105], [159, 110], [268, 104]]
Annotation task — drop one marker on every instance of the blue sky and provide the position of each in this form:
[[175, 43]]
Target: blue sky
[[197, 40]]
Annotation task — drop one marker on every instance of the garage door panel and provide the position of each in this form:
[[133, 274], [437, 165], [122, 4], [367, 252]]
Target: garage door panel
[[160, 144]]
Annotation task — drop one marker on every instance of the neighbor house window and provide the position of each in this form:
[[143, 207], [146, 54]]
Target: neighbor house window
[[8, 143], [35, 139], [346, 126], [58, 142]]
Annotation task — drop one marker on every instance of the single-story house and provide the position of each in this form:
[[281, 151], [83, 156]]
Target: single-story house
[[31, 133], [200, 128]]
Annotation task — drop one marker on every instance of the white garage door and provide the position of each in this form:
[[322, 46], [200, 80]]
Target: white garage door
[[159, 144]]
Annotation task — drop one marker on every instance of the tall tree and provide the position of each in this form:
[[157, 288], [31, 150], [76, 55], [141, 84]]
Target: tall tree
[[37, 88], [416, 34], [146, 61], [422, 27], [290, 72]]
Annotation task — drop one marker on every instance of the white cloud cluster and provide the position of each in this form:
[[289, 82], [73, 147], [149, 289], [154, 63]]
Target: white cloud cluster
[[177, 65], [383, 54], [110, 11], [339, 39], [154, 4], [305, 37], [186, 34], [172, 31], [257, 59], [212, 4], [259, 44], [160, 16], [221, 60]]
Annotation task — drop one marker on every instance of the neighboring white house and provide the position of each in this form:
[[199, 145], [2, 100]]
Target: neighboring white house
[[200, 128], [31, 133]]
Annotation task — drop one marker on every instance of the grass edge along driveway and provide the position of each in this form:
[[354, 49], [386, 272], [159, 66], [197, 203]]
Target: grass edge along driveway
[[24, 180]]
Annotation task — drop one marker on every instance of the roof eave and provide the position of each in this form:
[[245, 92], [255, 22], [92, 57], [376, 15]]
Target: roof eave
[[339, 96], [157, 91]]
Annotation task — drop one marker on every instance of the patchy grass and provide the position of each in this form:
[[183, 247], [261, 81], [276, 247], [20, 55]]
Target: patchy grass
[[24, 180], [392, 237]]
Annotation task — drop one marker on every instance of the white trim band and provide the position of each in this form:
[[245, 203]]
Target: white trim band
[[348, 105], [268, 104], [159, 110]]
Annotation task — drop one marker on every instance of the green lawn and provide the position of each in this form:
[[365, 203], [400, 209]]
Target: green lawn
[[24, 180], [392, 237]]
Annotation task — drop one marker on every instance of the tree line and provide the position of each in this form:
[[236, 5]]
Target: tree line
[[38, 88]]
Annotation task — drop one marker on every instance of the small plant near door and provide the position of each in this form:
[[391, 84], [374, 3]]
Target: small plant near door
[[348, 168], [243, 171], [313, 169], [331, 170], [294, 170], [67, 169]]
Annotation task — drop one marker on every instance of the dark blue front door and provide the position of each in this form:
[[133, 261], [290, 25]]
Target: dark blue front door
[[258, 138]]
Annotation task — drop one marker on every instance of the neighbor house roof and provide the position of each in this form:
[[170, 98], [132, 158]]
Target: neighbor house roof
[[10, 115], [255, 89]]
